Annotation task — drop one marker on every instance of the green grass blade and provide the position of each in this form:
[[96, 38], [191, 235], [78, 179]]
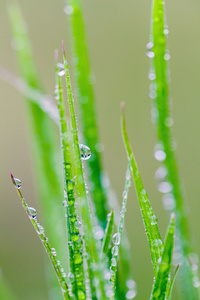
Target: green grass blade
[[117, 237], [43, 140], [149, 219], [108, 233], [51, 252], [162, 279], [73, 234], [86, 103], [82, 197], [161, 101], [169, 290]]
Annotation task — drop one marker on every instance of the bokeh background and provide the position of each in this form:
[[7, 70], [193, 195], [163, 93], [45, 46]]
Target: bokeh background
[[117, 32]]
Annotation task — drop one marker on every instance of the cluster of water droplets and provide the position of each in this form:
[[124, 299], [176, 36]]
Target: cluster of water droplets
[[132, 289]]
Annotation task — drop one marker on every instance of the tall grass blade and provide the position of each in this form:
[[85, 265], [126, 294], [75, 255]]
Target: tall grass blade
[[51, 252], [86, 103], [75, 242], [108, 233], [44, 142], [160, 56], [169, 290], [82, 197], [118, 236], [162, 280], [149, 219]]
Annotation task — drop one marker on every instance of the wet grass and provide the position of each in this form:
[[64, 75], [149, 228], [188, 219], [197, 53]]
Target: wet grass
[[96, 264]]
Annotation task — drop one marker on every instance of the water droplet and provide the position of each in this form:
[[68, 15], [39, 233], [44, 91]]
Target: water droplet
[[150, 54], [32, 212], [53, 251], [131, 294], [149, 45], [61, 69], [168, 201], [167, 56], [159, 153], [107, 275], [113, 262], [70, 185], [157, 243], [40, 229], [154, 220], [98, 233], [165, 187], [68, 9], [81, 295], [115, 250], [169, 122], [64, 275], [85, 152], [152, 75], [77, 258], [131, 284], [18, 183], [166, 30], [116, 238], [161, 173], [64, 203]]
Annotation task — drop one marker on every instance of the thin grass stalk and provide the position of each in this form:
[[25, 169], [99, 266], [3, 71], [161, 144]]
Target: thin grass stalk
[[75, 244], [82, 197], [86, 101], [118, 236], [162, 280], [51, 252], [108, 233], [149, 219], [163, 122], [169, 290]]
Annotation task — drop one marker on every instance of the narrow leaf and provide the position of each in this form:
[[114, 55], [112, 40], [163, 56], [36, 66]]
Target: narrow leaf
[[149, 219], [51, 252], [163, 276], [108, 233], [169, 290]]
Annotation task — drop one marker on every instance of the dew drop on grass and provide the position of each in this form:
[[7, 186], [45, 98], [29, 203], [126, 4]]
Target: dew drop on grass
[[168, 201], [113, 262], [154, 220], [159, 153], [53, 251], [85, 152], [167, 56], [165, 187], [18, 183], [131, 284], [131, 294], [61, 69], [68, 9], [152, 75], [116, 238], [81, 295], [161, 173], [115, 250], [150, 54], [98, 233], [32, 212], [64, 203], [40, 229]]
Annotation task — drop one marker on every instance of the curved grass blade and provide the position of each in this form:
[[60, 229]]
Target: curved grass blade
[[162, 280], [75, 242], [163, 122], [43, 139], [149, 219], [118, 236], [82, 197], [86, 101], [169, 290], [51, 252], [108, 233]]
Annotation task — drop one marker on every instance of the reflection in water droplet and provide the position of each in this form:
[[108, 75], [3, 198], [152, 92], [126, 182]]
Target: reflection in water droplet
[[32, 212], [165, 187], [85, 152], [18, 183], [115, 250], [116, 238]]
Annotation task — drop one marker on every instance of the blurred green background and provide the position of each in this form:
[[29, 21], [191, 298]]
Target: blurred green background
[[117, 32]]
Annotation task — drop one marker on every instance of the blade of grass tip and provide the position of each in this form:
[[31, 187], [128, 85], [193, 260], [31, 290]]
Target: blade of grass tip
[[43, 140], [108, 233], [118, 236], [149, 219], [165, 150], [169, 290], [86, 102], [75, 242], [82, 197], [162, 279], [51, 252]]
